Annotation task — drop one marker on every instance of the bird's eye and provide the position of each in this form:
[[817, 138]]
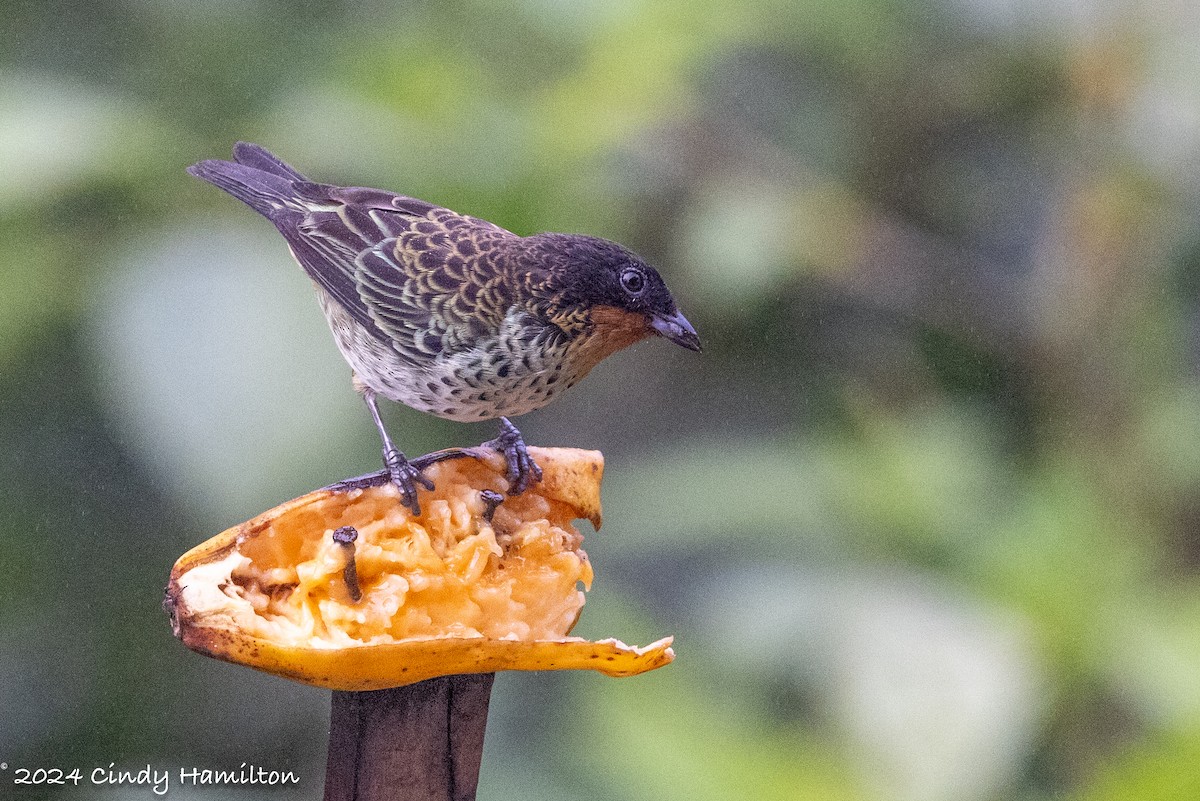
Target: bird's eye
[[633, 281]]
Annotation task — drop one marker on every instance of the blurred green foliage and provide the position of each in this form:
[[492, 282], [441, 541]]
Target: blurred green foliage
[[924, 516]]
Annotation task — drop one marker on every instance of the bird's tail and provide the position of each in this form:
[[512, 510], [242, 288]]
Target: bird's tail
[[258, 178]]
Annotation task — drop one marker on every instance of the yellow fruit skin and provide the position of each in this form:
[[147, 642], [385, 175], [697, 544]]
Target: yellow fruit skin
[[570, 477], [376, 667]]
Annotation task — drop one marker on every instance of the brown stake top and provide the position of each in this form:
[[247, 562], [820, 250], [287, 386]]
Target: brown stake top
[[420, 742]]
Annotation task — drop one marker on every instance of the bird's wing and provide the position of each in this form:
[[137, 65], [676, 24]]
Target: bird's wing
[[417, 277], [438, 287], [334, 226], [326, 227]]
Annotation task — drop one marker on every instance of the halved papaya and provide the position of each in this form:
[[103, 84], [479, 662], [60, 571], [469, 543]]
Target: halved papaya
[[345, 588]]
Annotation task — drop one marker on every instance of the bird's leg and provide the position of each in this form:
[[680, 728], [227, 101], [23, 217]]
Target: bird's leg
[[402, 473], [522, 470]]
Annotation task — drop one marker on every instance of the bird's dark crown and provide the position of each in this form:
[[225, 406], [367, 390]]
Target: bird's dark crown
[[584, 272]]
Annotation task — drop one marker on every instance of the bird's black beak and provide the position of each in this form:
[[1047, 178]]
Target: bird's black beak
[[676, 328]]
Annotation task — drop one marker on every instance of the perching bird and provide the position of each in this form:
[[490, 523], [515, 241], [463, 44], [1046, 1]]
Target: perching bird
[[450, 314]]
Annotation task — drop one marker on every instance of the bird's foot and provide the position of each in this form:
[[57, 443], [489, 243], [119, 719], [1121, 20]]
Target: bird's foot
[[522, 470], [406, 476], [418, 463]]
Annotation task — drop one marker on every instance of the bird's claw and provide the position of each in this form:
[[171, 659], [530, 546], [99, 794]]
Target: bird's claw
[[522, 470], [406, 477]]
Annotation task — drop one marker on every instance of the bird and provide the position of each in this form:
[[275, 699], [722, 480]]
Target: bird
[[448, 313]]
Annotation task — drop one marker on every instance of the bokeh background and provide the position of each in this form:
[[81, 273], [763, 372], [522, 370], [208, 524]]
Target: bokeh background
[[924, 517]]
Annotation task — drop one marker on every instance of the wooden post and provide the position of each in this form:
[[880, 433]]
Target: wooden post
[[420, 742]]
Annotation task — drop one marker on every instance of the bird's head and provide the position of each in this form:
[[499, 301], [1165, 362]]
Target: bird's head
[[623, 298]]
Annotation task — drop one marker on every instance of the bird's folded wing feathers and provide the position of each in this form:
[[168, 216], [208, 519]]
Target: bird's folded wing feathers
[[427, 296], [395, 269], [418, 277]]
